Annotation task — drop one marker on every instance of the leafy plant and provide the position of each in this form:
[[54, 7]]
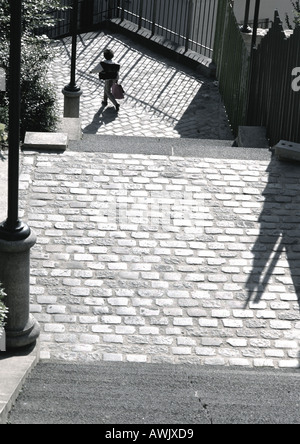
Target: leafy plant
[[3, 135], [38, 99], [3, 308], [296, 20]]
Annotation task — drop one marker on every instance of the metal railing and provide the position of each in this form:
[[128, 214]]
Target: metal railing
[[257, 87], [273, 102], [91, 14], [189, 24], [233, 64], [262, 23]]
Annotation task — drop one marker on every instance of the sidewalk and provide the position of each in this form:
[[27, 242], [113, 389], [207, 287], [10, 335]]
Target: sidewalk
[[14, 369]]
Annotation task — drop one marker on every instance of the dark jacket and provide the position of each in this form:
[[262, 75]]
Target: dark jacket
[[110, 71]]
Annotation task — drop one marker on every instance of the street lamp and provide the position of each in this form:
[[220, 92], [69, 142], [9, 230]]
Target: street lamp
[[255, 24], [246, 28], [13, 229], [72, 92], [16, 238]]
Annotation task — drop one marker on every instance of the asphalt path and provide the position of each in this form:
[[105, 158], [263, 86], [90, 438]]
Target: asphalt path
[[137, 394]]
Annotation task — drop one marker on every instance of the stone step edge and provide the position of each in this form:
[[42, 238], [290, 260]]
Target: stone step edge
[[195, 148]]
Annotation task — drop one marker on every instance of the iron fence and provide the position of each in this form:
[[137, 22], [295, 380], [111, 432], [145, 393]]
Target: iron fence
[[189, 24], [262, 23], [272, 101], [233, 63], [256, 86], [91, 14]]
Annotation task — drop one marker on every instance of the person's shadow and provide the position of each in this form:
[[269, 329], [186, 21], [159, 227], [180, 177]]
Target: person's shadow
[[104, 116], [278, 243], [279, 232]]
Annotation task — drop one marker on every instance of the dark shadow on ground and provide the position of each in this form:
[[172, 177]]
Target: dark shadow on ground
[[279, 232], [279, 240], [103, 117], [24, 351], [207, 112]]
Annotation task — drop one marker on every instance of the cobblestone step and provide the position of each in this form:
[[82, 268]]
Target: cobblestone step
[[144, 258]]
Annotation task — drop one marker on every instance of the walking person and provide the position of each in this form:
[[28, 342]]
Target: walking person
[[109, 72]]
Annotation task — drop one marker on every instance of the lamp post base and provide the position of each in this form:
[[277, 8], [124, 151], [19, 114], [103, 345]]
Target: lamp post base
[[21, 328], [24, 338], [72, 102], [246, 29]]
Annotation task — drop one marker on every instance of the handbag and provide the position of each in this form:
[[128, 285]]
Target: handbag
[[118, 91]]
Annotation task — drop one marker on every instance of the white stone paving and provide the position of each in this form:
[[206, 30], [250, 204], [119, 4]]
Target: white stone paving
[[163, 259]]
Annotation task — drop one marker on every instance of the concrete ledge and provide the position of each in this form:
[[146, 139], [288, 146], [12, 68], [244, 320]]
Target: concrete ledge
[[72, 127], [46, 141], [14, 368], [285, 150], [197, 148]]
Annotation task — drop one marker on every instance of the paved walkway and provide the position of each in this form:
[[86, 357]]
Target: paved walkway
[[157, 259], [163, 98]]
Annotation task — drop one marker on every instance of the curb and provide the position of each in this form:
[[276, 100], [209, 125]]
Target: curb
[[14, 369]]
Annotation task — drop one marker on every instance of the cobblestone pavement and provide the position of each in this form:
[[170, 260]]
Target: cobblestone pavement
[[164, 259], [163, 98]]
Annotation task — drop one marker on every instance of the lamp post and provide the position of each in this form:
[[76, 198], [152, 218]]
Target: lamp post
[[72, 92], [246, 28], [16, 238], [13, 229], [255, 24]]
